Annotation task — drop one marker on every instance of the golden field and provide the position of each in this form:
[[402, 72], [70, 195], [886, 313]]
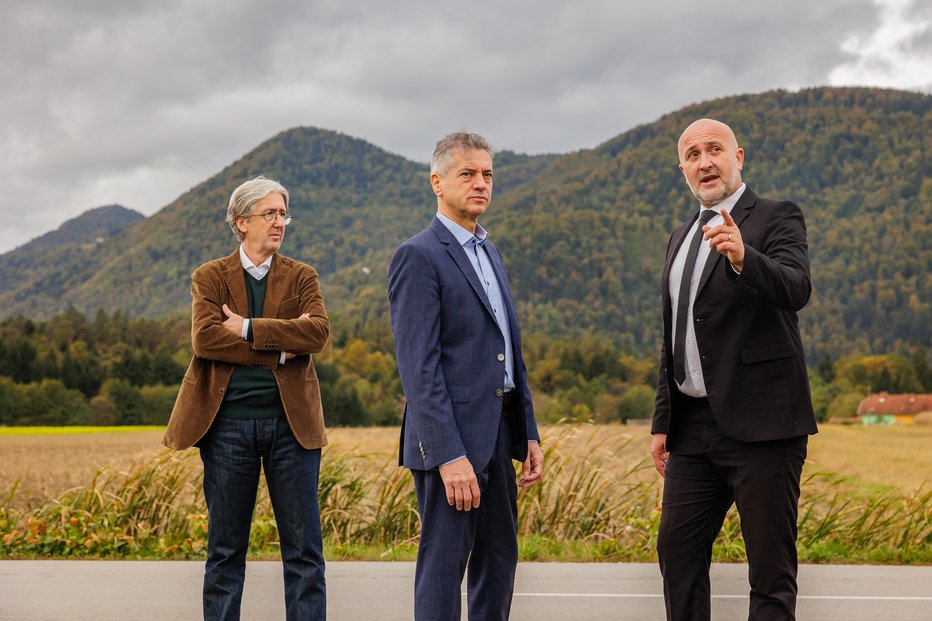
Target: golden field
[[46, 464], [119, 494]]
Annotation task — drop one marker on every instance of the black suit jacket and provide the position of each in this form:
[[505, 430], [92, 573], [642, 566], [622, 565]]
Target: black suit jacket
[[747, 329]]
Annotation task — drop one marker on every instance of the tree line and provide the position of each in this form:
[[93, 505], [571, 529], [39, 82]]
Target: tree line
[[114, 370]]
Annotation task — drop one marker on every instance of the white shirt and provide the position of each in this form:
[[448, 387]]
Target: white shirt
[[694, 384]]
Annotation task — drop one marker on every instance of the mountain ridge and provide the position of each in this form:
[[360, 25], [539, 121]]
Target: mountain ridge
[[583, 233], [76, 243]]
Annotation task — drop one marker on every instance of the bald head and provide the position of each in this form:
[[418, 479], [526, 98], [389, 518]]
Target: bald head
[[711, 160], [706, 127]]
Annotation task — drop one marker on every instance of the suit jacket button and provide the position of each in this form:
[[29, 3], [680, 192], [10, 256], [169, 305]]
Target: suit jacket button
[[501, 357], [498, 392], [222, 390]]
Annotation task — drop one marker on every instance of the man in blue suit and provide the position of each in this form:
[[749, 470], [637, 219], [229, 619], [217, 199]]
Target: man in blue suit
[[469, 411]]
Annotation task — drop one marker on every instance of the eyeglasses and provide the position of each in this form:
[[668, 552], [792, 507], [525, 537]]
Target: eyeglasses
[[272, 216]]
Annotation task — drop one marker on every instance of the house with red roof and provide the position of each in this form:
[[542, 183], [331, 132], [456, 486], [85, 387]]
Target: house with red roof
[[887, 409]]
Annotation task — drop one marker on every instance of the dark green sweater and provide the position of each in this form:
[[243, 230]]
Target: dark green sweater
[[252, 391]]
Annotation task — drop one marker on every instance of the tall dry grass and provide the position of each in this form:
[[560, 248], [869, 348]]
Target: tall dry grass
[[599, 500]]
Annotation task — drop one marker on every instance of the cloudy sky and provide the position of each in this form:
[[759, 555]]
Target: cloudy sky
[[135, 102]]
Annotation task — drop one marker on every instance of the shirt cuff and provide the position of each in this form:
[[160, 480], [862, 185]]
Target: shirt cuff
[[281, 359], [245, 329], [452, 460]]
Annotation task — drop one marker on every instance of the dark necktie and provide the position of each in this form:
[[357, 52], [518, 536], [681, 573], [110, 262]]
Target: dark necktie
[[682, 303]]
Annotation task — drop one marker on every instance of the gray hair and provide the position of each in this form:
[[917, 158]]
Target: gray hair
[[245, 197], [454, 143]]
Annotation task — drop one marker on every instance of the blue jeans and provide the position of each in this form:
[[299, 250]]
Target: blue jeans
[[233, 451]]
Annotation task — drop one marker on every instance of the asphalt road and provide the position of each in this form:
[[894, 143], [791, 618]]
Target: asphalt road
[[167, 590]]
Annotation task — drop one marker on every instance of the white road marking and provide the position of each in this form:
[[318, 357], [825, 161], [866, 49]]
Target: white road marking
[[892, 598]]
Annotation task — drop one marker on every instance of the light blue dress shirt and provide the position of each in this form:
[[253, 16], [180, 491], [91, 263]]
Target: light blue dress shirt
[[474, 246]]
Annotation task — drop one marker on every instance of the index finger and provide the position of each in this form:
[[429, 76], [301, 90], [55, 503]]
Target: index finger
[[727, 217]]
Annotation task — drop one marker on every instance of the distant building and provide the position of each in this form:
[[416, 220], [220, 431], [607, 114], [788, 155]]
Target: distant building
[[887, 409]]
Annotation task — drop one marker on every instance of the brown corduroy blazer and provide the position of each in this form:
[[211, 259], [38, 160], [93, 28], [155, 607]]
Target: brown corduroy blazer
[[292, 291]]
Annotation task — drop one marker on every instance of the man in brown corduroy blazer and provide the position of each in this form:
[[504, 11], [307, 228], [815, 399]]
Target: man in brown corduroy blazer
[[250, 400]]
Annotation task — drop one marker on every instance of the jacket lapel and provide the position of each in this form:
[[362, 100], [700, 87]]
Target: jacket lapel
[[232, 272], [499, 268], [458, 253], [675, 242], [276, 287]]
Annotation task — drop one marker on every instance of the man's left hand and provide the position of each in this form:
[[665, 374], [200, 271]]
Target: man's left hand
[[659, 452], [533, 466], [726, 238], [234, 322]]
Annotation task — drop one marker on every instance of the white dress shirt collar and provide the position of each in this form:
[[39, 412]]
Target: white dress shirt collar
[[256, 271]]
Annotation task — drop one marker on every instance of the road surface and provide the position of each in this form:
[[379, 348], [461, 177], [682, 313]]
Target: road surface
[[170, 591]]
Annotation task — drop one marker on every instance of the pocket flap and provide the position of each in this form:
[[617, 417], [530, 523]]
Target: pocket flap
[[288, 309], [762, 353], [459, 393]]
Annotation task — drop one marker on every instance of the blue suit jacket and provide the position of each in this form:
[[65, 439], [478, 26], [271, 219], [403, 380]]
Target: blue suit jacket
[[449, 350]]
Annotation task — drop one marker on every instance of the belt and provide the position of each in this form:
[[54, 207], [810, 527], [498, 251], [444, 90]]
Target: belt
[[508, 399], [696, 407], [694, 400]]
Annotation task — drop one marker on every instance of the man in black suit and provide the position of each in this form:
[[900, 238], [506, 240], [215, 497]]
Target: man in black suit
[[733, 411]]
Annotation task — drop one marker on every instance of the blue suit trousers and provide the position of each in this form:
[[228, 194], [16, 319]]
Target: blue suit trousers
[[483, 539]]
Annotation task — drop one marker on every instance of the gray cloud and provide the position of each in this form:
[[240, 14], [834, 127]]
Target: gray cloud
[[897, 53], [135, 102], [920, 43]]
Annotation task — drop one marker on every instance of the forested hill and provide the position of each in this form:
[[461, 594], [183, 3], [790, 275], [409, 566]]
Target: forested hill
[[36, 274], [583, 234], [586, 239], [351, 202]]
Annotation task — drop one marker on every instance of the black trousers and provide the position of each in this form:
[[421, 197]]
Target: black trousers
[[706, 473]]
